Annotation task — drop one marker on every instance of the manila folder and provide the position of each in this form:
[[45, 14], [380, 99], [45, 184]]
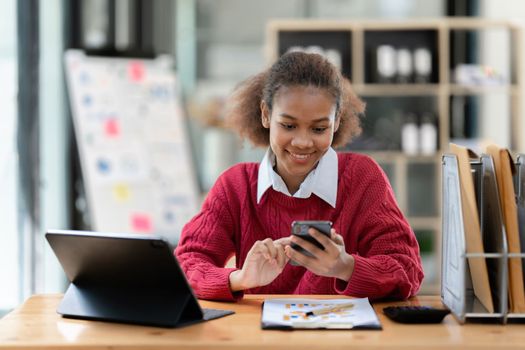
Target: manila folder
[[505, 168]]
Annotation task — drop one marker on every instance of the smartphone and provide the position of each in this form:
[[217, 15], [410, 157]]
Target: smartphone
[[300, 228]]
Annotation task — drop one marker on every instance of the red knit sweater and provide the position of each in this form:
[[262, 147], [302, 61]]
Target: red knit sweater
[[375, 232]]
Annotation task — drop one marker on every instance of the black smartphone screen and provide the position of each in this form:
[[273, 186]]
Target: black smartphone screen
[[300, 228]]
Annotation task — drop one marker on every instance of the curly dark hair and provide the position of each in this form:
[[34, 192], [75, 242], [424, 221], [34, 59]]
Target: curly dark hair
[[243, 108]]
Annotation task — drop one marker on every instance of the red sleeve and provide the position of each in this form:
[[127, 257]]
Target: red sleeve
[[387, 260], [205, 246], [387, 264]]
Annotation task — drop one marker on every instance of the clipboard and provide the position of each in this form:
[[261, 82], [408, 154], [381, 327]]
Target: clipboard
[[290, 314]]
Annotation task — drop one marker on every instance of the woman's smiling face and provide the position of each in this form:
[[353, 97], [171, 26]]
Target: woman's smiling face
[[302, 125]]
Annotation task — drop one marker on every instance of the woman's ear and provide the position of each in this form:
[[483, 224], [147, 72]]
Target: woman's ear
[[337, 122], [265, 115]]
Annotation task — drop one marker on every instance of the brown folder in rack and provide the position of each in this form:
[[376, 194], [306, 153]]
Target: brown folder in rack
[[474, 242], [505, 168]]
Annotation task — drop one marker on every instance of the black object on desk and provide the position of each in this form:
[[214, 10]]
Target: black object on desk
[[415, 314], [126, 278]]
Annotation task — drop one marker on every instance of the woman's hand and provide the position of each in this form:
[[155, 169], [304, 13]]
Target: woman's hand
[[333, 261], [264, 262]]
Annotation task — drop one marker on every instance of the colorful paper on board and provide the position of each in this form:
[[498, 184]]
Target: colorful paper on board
[[136, 71], [112, 127], [141, 222], [121, 192]]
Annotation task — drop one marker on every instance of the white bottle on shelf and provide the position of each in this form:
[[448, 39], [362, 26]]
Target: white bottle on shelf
[[410, 136], [404, 65], [428, 135], [385, 63], [422, 65]]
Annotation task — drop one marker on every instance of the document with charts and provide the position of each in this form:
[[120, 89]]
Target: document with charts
[[301, 314]]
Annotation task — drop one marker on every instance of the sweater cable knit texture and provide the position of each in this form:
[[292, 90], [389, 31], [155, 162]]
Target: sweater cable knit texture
[[375, 232]]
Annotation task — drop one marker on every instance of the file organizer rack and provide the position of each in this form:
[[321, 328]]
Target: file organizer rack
[[457, 292]]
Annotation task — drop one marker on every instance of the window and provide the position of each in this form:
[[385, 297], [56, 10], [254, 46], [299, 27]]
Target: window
[[9, 252]]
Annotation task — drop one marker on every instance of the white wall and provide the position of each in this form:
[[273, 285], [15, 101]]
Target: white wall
[[494, 45]]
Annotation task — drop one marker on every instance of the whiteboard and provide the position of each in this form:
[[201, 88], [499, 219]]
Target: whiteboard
[[133, 144]]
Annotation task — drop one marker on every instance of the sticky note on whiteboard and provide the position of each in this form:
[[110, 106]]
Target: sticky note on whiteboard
[[111, 127], [136, 71], [121, 192], [141, 222]]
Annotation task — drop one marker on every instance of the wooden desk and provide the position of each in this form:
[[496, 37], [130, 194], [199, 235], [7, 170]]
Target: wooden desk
[[36, 325]]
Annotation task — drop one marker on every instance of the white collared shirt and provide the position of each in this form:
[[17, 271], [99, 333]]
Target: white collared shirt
[[322, 180]]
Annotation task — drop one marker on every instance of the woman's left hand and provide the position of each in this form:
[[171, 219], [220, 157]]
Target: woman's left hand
[[333, 261]]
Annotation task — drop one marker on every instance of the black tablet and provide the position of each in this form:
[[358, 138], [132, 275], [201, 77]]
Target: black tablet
[[128, 278]]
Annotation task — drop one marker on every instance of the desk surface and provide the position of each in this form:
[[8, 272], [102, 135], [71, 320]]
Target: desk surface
[[36, 325]]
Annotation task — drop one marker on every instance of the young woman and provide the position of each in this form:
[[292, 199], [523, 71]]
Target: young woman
[[301, 107]]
